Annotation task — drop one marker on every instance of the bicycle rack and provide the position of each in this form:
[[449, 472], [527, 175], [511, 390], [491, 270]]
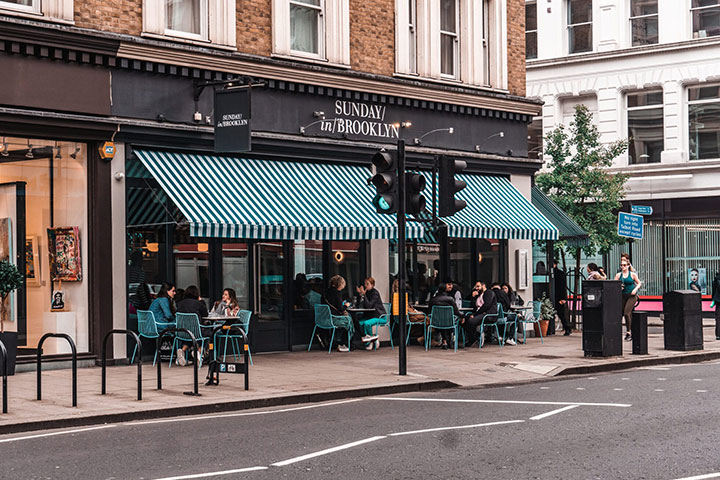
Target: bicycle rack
[[74, 364], [3, 350], [216, 367], [104, 360], [195, 349]]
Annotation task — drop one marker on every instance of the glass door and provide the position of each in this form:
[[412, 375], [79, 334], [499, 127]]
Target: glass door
[[271, 327]]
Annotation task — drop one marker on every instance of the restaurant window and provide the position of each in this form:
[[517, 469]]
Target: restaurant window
[[203, 21], [449, 40], [645, 126], [531, 34], [309, 285], [579, 25], [705, 18], [235, 271], [345, 261], [644, 22], [191, 262], [535, 138], [704, 122]]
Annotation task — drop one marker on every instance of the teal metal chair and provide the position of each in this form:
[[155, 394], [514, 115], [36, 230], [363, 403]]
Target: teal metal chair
[[327, 321], [242, 322], [498, 317], [533, 317], [148, 328], [410, 322], [505, 319], [191, 322], [442, 318], [386, 321]]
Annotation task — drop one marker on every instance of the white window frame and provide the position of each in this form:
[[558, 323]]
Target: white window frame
[[61, 11], [655, 106], [34, 8], [219, 29], [687, 116], [412, 37], [320, 11], [692, 23], [203, 36], [456, 45], [527, 4], [570, 26], [638, 17]]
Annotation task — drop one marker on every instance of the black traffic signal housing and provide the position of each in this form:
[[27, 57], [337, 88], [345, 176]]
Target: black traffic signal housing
[[448, 186], [386, 182], [414, 186]]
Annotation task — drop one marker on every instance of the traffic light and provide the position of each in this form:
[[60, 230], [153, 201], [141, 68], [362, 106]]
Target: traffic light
[[386, 183], [414, 186], [448, 186]]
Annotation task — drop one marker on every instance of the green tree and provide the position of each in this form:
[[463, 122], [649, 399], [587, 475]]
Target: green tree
[[577, 180], [10, 280]]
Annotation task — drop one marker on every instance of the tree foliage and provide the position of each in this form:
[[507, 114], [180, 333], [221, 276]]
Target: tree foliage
[[10, 280], [578, 182]]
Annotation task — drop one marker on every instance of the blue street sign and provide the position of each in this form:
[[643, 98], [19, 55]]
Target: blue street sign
[[630, 225], [641, 209]]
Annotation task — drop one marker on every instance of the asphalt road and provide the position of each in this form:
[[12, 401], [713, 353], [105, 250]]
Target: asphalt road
[[660, 423]]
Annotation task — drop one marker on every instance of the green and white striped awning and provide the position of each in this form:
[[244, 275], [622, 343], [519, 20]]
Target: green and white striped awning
[[495, 209], [231, 197]]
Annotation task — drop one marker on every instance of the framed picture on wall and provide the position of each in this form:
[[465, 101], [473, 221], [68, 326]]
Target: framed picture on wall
[[64, 251], [523, 280], [33, 274]]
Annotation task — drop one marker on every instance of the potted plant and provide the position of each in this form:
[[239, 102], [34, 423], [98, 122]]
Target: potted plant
[[547, 313], [10, 280]]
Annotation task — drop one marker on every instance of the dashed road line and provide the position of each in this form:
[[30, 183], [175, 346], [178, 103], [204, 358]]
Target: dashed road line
[[214, 474], [701, 477], [327, 451], [553, 412], [511, 402], [701, 391], [458, 427], [52, 434]]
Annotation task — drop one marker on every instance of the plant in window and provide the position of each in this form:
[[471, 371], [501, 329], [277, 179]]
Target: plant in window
[[10, 280]]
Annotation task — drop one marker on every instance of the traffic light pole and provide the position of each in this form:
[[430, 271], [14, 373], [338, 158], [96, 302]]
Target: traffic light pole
[[402, 314]]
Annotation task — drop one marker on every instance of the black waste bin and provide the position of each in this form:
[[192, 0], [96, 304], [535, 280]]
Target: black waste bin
[[682, 310], [602, 321], [639, 333]]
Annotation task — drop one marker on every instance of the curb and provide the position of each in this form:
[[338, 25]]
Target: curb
[[226, 406], [640, 362]]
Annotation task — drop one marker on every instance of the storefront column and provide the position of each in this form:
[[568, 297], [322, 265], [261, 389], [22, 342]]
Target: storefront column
[[118, 258]]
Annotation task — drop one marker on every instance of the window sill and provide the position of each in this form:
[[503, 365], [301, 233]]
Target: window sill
[[454, 83], [311, 60], [34, 16], [200, 43]]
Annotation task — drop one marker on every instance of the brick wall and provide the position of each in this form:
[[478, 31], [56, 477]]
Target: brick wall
[[516, 46], [254, 26], [117, 16], [372, 36]]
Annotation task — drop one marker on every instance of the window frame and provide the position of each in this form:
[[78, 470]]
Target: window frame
[[535, 32], [692, 20], [657, 106], [412, 32], [638, 17], [35, 8], [705, 101], [455, 42], [571, 26], [320, 12], [204, 34]]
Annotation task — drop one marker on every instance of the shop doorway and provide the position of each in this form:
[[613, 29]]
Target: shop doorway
[[270, 330]]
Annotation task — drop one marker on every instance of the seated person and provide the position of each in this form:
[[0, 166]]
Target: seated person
[[484, 303], [448, 298], [163, 307], [370, 298], [228, 306], [191, 303], [411, 313], [504, 300], [338, 307]]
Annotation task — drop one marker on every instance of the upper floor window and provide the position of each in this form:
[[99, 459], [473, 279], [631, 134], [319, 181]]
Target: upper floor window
[[644, 22], [61, 10], [306, 26], [21, 5], [705, 18], [579, 23], [645, 126], [704, 122], [187, 18], [449, 51], [206, 21], [531, 30], [412, 36]]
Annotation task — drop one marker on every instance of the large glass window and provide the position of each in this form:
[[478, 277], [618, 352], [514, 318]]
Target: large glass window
[[704, 122], [309, 286], [705, 18], [187, 17], [644, 22], [579, 22], [235, 271], [449, 38], [531, 38], [535, 138], [191, 262], [345, 261], [645, 126], [306, 26]]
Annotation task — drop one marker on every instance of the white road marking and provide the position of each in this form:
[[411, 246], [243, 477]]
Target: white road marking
[[544, 388], [553, 412], [618, 389], [662, 379], [701, 477], [592, 378], [658, 390], [579, 388], [52, 434], [458, 427], [243, 414], [214, 474], [697, 379], [656, 368], [515, 402], [625, 378], [509, 386], [701, 391], [326, 451]]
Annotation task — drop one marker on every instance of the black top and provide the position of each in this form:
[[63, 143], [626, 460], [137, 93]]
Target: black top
[[193, 305], [502, 298], [443, 299], [333, 297], [716, 289], [560, 284], [489, 304], [372, 299]]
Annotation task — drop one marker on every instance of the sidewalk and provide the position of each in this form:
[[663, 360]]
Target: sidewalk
[[301, 377]]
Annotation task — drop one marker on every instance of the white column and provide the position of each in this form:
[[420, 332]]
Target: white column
[[674, 123], [552, 39], [610, 118], [523, 184], [119, 283], [674, 21]]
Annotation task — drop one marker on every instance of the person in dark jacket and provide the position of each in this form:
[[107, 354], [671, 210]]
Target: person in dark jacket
[[485, 303], [191, 303], [504, 299], [716, 303], [560, 284], [446, 298], [338, 306], [370, 298]]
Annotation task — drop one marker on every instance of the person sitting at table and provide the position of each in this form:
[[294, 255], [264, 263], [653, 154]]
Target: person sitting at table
[[338, 306], [504, 300], [228, 306], [485, 302], [370, 298], [448, 298], [192, 303], [163, 307], [515, 299]]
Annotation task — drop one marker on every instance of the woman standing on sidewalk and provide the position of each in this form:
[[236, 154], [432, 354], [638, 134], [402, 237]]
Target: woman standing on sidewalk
[[631, 284]]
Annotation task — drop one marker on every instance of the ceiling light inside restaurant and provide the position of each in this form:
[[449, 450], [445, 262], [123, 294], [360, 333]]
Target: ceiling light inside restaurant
[[202, 247], [339, 256]]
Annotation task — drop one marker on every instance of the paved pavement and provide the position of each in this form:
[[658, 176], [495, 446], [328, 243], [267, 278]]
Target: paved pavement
[[655, 423], [296, 377]]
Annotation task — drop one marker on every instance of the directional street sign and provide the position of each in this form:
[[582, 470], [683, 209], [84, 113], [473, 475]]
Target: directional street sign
[[630, 226], [642, 209]]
